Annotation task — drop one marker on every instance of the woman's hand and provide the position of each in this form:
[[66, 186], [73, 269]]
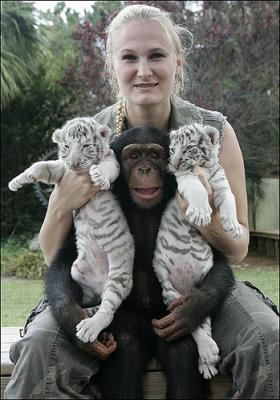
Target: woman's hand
[[214, 233], [73, 191]]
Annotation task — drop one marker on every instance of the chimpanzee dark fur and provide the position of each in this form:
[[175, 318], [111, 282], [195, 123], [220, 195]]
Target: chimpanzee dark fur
[[120, 376]]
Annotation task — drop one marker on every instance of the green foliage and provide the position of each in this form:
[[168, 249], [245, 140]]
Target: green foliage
[[234, 64], [18, 261], [60, 49], [19, 48], [29, 265]]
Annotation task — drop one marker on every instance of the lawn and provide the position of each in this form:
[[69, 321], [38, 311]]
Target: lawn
[[264, 278], [19, 296]]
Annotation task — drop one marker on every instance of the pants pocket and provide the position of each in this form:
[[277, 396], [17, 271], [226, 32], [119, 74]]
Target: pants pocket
[[36, 310]]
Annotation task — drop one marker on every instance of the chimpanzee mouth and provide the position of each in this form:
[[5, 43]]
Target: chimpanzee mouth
[[147, 193]]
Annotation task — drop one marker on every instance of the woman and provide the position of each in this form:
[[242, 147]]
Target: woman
[[145, 60]]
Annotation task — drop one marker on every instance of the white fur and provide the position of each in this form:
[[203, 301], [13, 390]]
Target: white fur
[[182, 256], [105, 246]]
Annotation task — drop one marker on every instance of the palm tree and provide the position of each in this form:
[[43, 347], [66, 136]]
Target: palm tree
[[19, 48]]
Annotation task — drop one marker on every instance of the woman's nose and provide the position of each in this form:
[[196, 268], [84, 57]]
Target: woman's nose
[[144, 69]]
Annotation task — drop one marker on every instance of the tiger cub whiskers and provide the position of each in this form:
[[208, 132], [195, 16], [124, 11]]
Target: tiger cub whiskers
[[84, 146]]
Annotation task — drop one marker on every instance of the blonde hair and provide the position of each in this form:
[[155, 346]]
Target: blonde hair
[[175, 33]]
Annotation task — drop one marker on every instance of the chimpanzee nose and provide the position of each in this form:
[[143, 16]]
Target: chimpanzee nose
[[144, 170]]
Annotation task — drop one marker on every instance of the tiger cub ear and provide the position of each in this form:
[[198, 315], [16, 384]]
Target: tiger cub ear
[[105, 131], [212, 133], [57, 136]]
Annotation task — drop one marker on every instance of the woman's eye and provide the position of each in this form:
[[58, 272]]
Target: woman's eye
[[129, 57], [157, 55], [133, 156]]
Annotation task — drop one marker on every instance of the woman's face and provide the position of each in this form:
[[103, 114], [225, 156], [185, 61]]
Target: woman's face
[[144, 62]]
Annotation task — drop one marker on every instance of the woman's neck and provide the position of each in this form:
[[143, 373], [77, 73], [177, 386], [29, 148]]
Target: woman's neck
[[156, 116]]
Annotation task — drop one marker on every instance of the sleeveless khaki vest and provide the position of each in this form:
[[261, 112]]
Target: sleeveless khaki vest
[[182, 113]]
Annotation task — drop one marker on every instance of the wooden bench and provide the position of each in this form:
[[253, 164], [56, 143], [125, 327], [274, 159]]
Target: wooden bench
[[154, 381]]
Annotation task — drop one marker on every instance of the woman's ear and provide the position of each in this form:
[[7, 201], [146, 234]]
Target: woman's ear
[[180, 59]]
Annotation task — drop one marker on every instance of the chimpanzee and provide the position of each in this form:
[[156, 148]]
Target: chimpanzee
[[143, 189]]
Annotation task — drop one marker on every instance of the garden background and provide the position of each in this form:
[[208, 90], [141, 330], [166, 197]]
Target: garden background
[[52, 69]]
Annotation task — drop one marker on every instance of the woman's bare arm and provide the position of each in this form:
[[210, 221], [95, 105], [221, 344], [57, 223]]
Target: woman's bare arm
[[232, 161], [73, 191]]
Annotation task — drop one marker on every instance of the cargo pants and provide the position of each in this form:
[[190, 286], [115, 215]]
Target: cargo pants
[[47, 366]]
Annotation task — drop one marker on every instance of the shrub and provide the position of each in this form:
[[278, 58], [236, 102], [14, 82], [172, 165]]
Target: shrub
[[27, 265]]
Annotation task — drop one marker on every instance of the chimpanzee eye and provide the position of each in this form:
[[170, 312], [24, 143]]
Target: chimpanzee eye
[[155, 155], [133, 156]]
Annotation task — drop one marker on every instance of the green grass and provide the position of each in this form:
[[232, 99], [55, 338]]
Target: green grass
[[19, 296], [264, 278]]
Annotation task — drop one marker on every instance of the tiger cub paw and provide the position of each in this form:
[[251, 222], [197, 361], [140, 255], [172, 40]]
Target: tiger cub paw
[[87, 330], [14, 185], [199, 216], [98, 178], [19, 181], [231, 226]]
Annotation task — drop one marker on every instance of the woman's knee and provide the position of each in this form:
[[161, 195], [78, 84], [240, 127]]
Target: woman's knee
[[34, 345]]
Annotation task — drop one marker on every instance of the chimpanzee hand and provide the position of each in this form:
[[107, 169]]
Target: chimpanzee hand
[[174, 325], [102, 347], [187, 313]]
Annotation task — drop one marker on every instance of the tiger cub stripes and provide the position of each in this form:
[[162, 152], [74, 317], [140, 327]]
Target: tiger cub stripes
[[197, 144], [183, 257], [84, 146]]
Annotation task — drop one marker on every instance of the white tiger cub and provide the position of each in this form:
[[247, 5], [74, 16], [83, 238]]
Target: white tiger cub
[[198, 144], [84, 146], [183, 257]]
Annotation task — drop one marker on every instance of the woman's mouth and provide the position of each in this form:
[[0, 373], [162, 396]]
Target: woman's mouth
[[145, 85]]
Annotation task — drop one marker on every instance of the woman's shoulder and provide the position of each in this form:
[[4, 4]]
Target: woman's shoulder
[[185, 112], [107, 116]]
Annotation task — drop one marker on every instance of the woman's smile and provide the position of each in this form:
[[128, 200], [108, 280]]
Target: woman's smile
[[144, 86], [145, 63]]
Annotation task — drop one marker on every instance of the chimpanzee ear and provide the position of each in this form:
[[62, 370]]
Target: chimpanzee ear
[[213, 133], [57, 136], [105, 131]]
